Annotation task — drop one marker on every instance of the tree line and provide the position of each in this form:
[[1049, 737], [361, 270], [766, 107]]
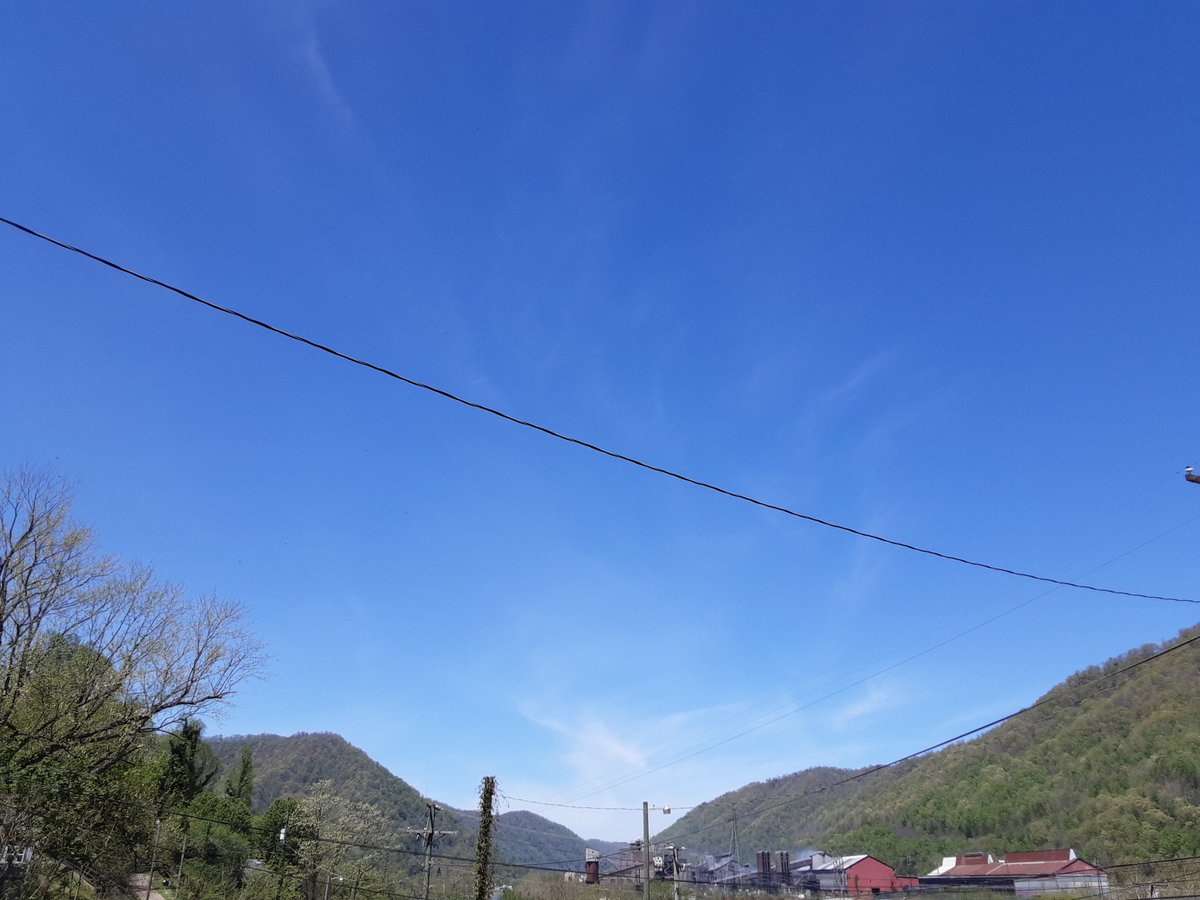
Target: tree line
[[98, 660], [105, 674]]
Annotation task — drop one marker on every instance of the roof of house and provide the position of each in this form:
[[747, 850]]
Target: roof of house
[[840, 863], [820, 862], [1025, 864]]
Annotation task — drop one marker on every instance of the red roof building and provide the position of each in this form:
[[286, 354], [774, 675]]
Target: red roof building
[[1027, 874], [851, 876]]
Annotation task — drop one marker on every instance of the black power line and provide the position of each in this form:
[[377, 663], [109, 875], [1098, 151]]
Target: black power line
[[694, 750], [579, 442]]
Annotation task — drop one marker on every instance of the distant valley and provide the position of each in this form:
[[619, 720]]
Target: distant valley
[[1109, 765]]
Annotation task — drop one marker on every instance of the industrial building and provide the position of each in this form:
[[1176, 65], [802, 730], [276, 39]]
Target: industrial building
[[848, 876], [1025, 874]]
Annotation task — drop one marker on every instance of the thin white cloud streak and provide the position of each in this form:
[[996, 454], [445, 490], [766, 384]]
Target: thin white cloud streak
[[593, 754], [592, 746], [301, 37], [834, 399], [877, 699], [318, 69]]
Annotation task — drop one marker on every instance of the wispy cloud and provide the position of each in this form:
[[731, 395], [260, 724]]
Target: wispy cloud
[[848, 388], [317, 67], [601, 771], [299, 34], [878, 699], [592, 746]]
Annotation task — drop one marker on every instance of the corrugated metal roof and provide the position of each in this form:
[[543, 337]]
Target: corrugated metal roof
[[1024, 864], [838, 863]]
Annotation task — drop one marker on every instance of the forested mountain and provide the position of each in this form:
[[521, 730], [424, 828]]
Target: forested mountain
[[1109, 764], [291, 766], [531, 840]]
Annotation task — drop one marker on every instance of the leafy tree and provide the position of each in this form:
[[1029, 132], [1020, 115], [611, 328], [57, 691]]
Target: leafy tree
[[95, 658], [214, 847], [190, 765], [322, 833], [240, 784]]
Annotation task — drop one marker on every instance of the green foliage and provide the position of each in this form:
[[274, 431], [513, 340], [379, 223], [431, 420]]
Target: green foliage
[[95, 658], [190, 765], [291, 766], [524, 837], [240, 783], [483, 844], [1111, 768], [312, 841], [78, 817]]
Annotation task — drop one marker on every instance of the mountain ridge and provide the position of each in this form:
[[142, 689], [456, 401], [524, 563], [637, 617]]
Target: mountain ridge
[[292, 765], [1106, 762]]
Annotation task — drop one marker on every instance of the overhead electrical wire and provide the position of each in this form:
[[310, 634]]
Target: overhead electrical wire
[[1154, 862], [1049, 699], [712, 738], [759, 722], [296, 834], [554, 865], [571, 806], [1073, 691], [579, 442]]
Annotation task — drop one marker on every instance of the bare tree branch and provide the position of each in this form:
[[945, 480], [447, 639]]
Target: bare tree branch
[[93, 653]]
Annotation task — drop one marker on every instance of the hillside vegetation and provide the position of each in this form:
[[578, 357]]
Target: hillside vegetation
[[1110, 766], [293, 766]]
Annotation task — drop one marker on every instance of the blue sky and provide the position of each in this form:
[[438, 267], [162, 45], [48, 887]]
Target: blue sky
[[925, 269]]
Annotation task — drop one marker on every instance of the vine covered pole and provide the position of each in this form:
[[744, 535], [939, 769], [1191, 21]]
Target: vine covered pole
[[483, 849]]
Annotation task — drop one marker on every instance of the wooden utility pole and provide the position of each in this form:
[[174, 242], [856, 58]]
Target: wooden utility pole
[[645, 850], [430, 835], [182, 854], [282, 847], [153, 851]]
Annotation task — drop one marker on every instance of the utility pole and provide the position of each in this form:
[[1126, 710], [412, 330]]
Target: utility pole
[[282, 845], [737, 851], [675, 870], [153, 851], [645, 851], [1190, 474], [483, 846], [182, 854], [429, 835]]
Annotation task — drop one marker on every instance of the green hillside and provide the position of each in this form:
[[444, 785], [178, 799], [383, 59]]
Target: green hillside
[[1109, 766], [290, 766], [528, 839]]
